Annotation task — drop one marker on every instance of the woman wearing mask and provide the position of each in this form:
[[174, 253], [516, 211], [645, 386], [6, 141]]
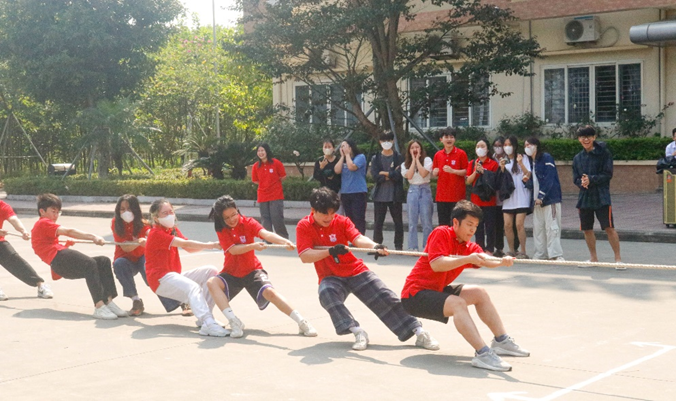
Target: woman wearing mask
[[388, 193], [324, 171], [515, 208], [483, 167], [417, 169], [547, 203], [499, 154], [268, 174], [351, 166]]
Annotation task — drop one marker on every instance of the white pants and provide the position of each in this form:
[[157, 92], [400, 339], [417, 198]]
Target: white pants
[[547, 231], [191, 287]]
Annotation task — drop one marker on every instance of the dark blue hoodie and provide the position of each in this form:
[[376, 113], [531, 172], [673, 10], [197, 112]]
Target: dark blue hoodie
[[598, 165]]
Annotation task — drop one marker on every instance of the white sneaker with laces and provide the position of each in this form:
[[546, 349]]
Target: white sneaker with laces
[[119, 312], [425, 340], [306, 329], [3, 296], [236, 328], [213, 330], [619, 267], [104, 313], [45, 292], [489, 360], [508, 347], [361, 341]]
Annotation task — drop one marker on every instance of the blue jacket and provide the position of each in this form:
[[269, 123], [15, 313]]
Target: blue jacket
[[598, 165], [548, 179]]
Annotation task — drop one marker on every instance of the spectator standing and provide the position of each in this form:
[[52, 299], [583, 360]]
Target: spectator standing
[[450, 167], [671, 148], [499, 154], [388, 193], [351, 166], [268, 173], [517, 205], [324, 171], [483, 168], [417, 169]]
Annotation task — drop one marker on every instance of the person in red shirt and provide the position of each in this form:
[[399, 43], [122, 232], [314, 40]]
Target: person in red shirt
[[11, 260], [428, 292], [164, 270], [482, 171], [71, 264], [243, 270], [341, 273], [450, 167], [268, 173]]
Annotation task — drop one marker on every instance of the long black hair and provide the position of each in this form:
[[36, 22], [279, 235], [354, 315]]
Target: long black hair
[[222, 204], [268, 152], [515, 144], [135, 208], [536, 142], [353, 147]]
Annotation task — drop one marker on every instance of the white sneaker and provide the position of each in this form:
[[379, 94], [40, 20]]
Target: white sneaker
[[45, 292], [213, 330], [236, 328], [361, 341], [3, 296], [559, 259], [489, 360], [620, 267], [119, 312], [425, 340], [508, 347], [104, 313], [306, 329]]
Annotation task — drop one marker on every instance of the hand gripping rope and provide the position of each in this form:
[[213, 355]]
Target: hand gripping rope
[[82, 241]]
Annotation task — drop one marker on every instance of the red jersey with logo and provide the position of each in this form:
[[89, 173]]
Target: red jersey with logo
[[269, 177], [161, 257], [244, 233], [441, 242], [6, 212], [341, 231], [490, 165], [128, 236], [450, 187], [44, 240]]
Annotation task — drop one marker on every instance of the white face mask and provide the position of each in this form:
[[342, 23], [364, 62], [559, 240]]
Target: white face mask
[[127, 216], [509, 150], [530, 150], [328, 151], [386, 145], [167, 221], [481, 152], [498, 150]]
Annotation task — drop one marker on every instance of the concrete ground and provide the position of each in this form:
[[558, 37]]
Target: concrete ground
[[594, 334]]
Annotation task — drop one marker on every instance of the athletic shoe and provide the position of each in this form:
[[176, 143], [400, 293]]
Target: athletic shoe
[[508, 347], [306, 329], [236, 328], [137, 308], [104, 313], [361, 341], [45, 292], [558, 259], [116, 309], [425, 340], [3, 297], [213, 329], [522, 255], [620, 267], [583, 266], [489, 360], [498, 253]]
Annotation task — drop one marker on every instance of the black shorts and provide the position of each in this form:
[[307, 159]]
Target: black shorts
[[604, 214], [255, 283], [524, 210], [429, 304]]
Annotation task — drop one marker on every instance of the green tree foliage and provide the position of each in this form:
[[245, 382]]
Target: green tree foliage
[[368, 47]]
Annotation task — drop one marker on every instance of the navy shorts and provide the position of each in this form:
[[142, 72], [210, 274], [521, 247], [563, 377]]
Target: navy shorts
[[255, 283], [604, 214], [429, 304]]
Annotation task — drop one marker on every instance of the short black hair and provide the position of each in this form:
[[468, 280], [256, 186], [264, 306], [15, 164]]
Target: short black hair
[[587, 130], [673, 132], [466, 208], [48, 200], [386, 136], [222, 204], [323, 199], [450, 131]]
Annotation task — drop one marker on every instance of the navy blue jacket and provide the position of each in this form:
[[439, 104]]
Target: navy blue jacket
[[598, 165], [548, 179]]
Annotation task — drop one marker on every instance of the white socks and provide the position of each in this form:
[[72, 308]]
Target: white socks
[[356, 329], [135, 298], [418, 330], [229, 314], [296, 316]]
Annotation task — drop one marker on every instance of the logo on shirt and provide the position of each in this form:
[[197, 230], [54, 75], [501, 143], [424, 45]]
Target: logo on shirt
[[242, 239], [452, 162], [332, 238], [272, 171]]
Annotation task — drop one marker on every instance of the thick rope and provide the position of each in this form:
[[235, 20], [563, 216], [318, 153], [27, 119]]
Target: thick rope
[[519, 261], [84, 241]]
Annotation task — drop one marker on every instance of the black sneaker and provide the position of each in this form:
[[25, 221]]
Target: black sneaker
[[137, 308]]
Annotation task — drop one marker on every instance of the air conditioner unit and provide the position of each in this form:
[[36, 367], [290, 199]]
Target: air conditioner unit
[[582, 29], [329, 58]]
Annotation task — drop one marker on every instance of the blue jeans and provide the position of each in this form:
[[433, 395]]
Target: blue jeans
[[420, 207], [125, 270]]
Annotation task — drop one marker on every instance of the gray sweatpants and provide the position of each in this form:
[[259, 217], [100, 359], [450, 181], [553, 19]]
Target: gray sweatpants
[[272, 214]]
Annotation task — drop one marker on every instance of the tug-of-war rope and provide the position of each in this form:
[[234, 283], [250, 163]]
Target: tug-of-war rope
[[622, 265]]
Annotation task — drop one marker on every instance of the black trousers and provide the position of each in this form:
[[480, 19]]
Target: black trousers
[[71, 264], [444, 210], [355, 209], [485, 232], [379, 212], [17, 266]]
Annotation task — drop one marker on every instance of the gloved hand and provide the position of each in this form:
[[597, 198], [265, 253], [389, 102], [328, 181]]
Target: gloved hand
[[376, 254], [336, 250]]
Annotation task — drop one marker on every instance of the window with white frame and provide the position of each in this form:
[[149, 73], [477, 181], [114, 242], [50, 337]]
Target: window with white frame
[[323, 104], [442, 114], [574, 94]]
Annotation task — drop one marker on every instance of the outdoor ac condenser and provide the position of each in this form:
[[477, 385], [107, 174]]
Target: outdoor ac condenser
[[582, 29]]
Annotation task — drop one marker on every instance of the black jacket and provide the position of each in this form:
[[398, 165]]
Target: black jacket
[[395, 175]]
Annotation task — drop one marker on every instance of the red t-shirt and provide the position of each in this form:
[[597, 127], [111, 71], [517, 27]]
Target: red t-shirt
[[269, 177], [450, 187], [161, 257], [128, 236], [340, 231], [441, 242], [244, 233], [44, 240], [490, 165], [6, 212]]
